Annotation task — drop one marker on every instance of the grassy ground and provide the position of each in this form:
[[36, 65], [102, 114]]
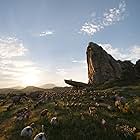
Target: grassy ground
[[75, 122]]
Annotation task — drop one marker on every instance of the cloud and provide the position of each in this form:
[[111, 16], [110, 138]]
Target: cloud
[[131, 53], [79, 61], [61, 72], [11, 47], [91, 28], [109, 17], [13, 62], [114, 15], [16, 67], [46, 33]]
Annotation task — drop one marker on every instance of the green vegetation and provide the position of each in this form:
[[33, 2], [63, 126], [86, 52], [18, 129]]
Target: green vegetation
[[75, 122]]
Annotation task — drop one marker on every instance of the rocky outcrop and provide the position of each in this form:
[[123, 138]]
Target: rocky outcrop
[[137, 69], [103, 68], [127, 71]]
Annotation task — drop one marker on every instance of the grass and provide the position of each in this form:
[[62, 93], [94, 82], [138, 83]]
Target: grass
[[75, 122]]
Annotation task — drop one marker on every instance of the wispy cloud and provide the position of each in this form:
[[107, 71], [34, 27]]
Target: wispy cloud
[[108, 18], [131, 53], [46, 33], [16, 67], [79, 61], [14, 64], [61, 72], [11, 47], [91, 28]]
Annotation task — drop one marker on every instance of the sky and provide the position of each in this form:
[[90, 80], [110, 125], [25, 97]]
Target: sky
[[45, 41]]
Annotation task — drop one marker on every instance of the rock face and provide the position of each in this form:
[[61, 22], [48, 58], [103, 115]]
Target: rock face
[[137, 69], [127, 71], [103, 68]]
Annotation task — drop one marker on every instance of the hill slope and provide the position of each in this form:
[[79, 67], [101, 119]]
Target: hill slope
[[47, 86], [82, 115]]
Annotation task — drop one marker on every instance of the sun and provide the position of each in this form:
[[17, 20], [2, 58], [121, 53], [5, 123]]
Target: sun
[[30, 80]]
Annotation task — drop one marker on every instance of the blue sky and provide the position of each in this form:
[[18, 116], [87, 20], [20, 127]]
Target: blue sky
[[44, 41]]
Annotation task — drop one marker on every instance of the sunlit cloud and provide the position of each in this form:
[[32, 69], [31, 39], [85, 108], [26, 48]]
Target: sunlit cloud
[[11, 47], [79, 61], [14, 64], [16, 69], [108, 18], [132, 53], [114, 15], [46, 33], [91, 28], [61, 72]]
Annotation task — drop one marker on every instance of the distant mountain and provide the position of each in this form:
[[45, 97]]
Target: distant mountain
[[7, 90], [29, 89], [48, 86], [17, 87]]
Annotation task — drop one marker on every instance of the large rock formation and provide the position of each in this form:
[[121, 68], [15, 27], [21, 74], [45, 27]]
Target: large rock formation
[[103, 68], [127, 71], [137, 69]]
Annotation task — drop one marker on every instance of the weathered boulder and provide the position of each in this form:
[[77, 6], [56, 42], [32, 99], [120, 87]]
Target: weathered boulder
[[102, 67]]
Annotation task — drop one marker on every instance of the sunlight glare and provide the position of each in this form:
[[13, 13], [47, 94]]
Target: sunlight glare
[[30, 80]]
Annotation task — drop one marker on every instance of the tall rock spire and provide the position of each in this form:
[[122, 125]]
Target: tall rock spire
[[102, 67]]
